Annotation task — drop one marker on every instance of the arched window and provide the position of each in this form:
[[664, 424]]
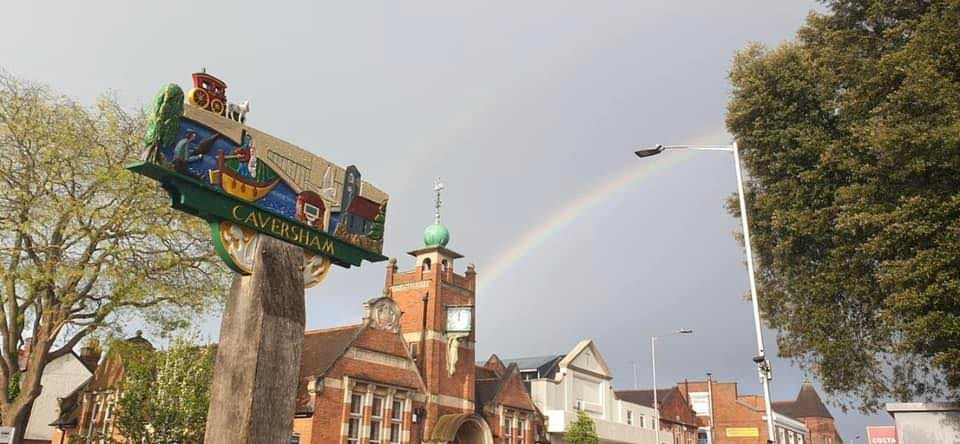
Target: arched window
[[426, 264], [443, 265]]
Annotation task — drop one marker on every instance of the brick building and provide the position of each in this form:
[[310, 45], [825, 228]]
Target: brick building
[[809, 408], [727, 417], [464, 402], [678, 421], [86, 414], [504, 403], [358, 383], [407, 373]]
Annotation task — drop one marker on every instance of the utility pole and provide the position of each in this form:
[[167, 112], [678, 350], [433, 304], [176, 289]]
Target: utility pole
[[764, 369]]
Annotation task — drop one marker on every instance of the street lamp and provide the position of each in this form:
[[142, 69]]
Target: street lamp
[[764, 369], [653, 353]]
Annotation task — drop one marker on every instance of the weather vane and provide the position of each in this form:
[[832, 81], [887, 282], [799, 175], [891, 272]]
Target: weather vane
[[437, 188]]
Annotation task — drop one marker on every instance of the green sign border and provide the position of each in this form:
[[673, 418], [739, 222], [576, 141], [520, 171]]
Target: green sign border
[[192, 196]]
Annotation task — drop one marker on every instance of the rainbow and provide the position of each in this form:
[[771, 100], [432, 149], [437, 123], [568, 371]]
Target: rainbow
[[574, 209]]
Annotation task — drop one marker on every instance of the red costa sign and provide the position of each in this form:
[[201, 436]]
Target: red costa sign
[[882, 435]]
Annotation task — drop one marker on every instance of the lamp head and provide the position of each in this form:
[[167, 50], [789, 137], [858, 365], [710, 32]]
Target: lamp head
[[647, 152], [685, 331]]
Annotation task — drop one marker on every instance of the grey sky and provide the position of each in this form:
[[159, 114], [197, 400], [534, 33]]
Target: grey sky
[[521, 108]]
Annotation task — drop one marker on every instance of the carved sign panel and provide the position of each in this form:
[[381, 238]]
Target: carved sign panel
[[243, 181]]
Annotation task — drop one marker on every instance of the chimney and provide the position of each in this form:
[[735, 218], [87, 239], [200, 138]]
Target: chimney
[[471, 275], [90, 353], [391, 270]]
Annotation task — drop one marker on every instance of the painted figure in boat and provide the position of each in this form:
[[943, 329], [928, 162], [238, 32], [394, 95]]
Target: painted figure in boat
[[184, 152], [235, 175], [243, 154]]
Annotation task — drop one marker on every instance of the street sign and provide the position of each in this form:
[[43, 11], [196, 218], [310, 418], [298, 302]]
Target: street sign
[[247, 183], [742, 432]]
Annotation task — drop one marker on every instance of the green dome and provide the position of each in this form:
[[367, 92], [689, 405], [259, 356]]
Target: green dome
[[436, 235]]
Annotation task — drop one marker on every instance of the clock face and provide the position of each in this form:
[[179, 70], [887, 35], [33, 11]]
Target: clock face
[[459, 319]]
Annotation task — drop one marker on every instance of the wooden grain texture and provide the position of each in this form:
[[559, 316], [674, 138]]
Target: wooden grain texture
[[258, 360]]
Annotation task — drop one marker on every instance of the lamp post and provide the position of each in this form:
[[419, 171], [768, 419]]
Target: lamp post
[[653, 354], [764, 370]]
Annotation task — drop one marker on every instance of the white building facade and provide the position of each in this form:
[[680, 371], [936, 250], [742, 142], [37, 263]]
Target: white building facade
[[60, 378], [926, 422], [581, 381]]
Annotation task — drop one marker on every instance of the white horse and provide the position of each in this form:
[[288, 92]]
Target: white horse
[[239, 111]]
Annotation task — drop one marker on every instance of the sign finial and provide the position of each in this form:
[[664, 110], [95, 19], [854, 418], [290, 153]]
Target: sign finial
[[437, 188]]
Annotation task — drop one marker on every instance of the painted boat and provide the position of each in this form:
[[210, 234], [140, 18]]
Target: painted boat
[[238, 186]]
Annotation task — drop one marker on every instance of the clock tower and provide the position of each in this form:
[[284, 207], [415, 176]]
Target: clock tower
[[438, 322]]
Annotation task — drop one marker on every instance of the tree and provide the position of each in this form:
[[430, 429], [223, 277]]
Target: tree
[[84, 244], [165, 395], [851, 136], [163, 117], [582, 431]]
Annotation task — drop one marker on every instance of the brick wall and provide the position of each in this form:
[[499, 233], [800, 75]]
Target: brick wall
[[329, 413], [822, 431], [677, 416], [730, 413]]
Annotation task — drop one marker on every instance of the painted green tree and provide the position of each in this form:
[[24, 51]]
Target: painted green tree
[[163, 117], [165, 395], [582, 431], [851, 137], [376, 233], [84, 244]]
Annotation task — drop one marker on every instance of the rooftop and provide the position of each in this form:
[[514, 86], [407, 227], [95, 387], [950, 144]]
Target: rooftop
[[644, 397], [545, 366], [807, 405]]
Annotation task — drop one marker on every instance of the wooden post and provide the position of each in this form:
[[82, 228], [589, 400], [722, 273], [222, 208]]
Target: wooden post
[[258, 359]]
